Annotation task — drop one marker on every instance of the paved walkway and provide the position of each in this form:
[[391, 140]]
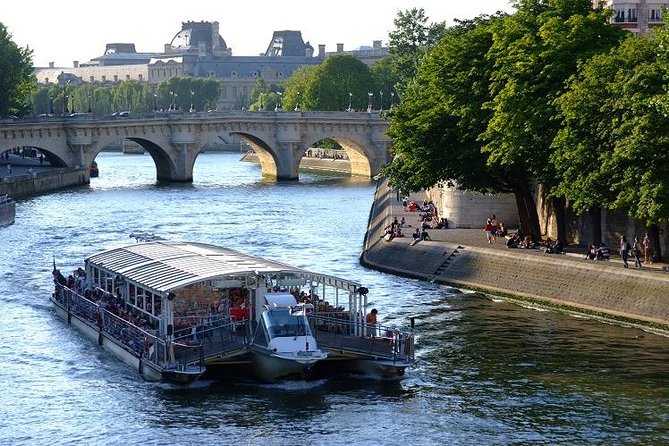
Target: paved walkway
[[463, 258], [476, 238]]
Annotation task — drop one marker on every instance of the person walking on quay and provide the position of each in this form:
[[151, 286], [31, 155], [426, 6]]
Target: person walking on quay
[[624, 250], [636, 249], [647, 249]]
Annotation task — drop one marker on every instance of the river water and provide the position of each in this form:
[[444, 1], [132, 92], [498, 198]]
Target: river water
[[488, 372]]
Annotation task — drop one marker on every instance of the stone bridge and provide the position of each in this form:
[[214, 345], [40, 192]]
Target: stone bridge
[[174, 140]]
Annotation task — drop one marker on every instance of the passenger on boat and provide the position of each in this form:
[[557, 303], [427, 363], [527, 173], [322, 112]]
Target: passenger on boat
[[371, 322]]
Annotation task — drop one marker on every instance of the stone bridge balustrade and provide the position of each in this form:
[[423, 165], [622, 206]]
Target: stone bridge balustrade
[[174, 140]]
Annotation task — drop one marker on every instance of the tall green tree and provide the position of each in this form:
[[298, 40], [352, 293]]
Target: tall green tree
[[613, 149], [411, 39], [16, 79], [535, 51], [435, 129]]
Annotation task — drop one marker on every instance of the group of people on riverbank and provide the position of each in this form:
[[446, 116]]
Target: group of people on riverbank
[[635, 248]]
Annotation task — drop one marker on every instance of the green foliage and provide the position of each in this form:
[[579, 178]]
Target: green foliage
[[410, 41], [184, 92], [435, 128], [613, 149], [327, 86], [535, 51], [16, 79], [265, 97]]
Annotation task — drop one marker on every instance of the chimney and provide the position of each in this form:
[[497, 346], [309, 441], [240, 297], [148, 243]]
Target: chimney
[[75, 63], [168, 47], [377, 44], [340, 47], [321, 51], [51, 64]]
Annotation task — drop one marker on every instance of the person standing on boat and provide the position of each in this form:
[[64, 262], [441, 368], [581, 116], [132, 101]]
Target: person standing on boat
[[371, 322]]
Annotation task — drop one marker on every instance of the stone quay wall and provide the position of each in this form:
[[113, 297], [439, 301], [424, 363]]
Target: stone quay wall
[[463, 258], [23, 186]]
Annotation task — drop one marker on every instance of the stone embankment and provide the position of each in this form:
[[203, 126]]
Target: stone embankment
[[463, 258], [22, 182], [311, 163]]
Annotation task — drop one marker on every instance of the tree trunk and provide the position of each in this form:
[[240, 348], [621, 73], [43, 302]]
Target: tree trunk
[[596, 221], [559, 204], [654, 232], [527, 212]]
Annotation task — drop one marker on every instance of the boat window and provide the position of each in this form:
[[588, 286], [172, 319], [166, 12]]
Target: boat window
[[280, 323]]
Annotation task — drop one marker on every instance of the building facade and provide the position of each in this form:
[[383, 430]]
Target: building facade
[[198, 50], [637, 16]]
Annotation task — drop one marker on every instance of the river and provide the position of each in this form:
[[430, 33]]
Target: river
[[488, 372]]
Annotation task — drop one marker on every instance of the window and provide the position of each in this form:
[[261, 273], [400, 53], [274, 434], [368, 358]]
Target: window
[[115, 78], [631, 14], [104, 78], [655, 15], [620, 15], [91, 79], [127, 77]]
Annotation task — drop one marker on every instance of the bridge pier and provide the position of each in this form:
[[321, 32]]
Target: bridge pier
[[287, 163]]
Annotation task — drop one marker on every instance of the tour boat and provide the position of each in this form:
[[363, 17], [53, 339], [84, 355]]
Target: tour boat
[[7, 210], [175, 311]]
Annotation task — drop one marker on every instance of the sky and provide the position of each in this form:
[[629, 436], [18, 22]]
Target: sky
[[65, 31]]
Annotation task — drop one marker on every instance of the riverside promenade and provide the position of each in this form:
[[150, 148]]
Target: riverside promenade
[[463, 258]]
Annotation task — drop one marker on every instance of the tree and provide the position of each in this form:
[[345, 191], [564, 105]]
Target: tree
[[386, 81], [335, 78], [411, 39], [183, 92], [613, 149], [16, 78], [435, 129], [535, 51]]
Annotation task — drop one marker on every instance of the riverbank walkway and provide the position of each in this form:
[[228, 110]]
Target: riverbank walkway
[[464, 258]]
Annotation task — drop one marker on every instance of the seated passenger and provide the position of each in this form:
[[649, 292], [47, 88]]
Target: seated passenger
[[502, 231], [592, 253], [603, 252]]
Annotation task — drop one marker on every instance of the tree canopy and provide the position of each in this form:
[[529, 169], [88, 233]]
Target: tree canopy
[[16, 78], [481, 108]]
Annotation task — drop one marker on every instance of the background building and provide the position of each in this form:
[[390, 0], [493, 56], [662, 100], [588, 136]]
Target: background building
[[198, 50], [637, 16]]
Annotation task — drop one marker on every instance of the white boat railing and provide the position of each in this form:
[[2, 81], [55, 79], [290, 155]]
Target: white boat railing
[[333, 331]]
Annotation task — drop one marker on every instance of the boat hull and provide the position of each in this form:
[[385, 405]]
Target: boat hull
[[146, 369], [269, 367]]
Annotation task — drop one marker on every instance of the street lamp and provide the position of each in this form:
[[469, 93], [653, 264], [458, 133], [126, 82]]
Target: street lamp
[[369, 104], [171, 100], [176, 104], [66, 103], [51, 105], [155, 102], [297, 103], [72, 97], [261, 107], [392, 100], [192, 101], [278, 102], [350, 98], [381, 107], [89, 103]]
